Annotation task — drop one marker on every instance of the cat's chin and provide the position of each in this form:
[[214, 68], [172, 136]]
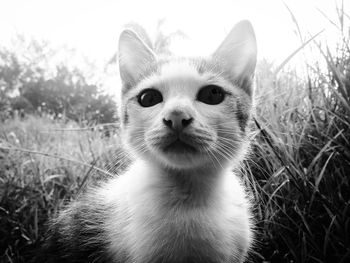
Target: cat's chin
[[179, 157], [179, 147], [182, 152]]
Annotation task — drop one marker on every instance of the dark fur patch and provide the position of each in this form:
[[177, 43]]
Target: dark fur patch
[[242, 116], [125, 116], [77, 236], [206, 65]]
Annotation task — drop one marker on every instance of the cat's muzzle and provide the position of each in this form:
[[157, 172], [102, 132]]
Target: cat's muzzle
[[179, 143]]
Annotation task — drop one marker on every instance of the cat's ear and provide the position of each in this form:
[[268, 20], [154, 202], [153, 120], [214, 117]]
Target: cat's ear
[[238, 51], [134, 56]]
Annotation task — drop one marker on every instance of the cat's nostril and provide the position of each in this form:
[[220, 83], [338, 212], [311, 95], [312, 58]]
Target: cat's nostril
[[177, 123], [168, 123], [186, 122]]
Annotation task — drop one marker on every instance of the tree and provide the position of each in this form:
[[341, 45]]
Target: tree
[[29, 82]]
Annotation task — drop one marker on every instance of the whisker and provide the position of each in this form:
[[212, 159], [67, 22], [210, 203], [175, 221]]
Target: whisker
[[211, 153]]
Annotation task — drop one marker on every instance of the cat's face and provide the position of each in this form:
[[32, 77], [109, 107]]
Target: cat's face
[[185, 113]]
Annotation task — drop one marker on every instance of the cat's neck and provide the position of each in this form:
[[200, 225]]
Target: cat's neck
[[193, 187]]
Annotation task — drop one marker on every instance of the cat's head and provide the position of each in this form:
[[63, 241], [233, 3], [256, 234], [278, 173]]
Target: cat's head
[[187, 112]]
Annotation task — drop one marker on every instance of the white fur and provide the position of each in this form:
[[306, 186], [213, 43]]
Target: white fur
[[140, 220], [139, 217], [173, 206]]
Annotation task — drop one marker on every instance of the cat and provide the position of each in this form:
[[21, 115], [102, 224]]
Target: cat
[[186, 121]]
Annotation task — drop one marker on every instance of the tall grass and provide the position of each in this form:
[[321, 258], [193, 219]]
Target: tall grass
[[43, 163], [299, 167], [301, 158]]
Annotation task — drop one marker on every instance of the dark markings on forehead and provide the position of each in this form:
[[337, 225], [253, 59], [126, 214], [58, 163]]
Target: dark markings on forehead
[[202, 65], [206, 65]]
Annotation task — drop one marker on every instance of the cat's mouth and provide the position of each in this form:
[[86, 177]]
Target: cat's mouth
[[179, 146]]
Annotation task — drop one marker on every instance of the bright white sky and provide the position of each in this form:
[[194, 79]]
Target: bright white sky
[[92, 26]]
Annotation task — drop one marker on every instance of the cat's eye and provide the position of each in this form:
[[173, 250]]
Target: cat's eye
[[150, 97], [211, 95]]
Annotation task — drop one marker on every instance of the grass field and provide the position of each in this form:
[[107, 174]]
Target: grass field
[[34, 183], [298, 170]]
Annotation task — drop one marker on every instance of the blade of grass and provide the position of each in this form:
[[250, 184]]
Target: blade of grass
[[57, 157], [295, 21], [318, 180], [322, 151], [285, 61], [328, 19], [326, 238]]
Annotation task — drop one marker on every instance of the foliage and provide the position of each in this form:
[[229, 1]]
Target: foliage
[[29, 83], [301, 160]]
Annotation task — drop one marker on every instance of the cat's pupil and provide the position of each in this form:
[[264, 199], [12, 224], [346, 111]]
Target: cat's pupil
[[211, 95], [149, 97]]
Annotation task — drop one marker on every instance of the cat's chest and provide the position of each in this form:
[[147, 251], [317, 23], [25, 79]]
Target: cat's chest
[[179, 228], [181, 234], [164, 223]]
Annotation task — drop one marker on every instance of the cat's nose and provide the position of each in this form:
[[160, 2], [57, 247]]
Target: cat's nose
[[177, 120]]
